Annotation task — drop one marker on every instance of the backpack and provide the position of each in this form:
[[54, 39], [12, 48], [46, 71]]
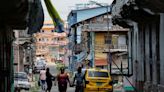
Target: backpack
[[79, 78]]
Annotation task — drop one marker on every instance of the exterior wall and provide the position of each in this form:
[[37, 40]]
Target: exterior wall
[[145, 49], [144, 53], [122, 40], [49, 44], [99, 49], [133, 54], [19, 50], [6, 58]]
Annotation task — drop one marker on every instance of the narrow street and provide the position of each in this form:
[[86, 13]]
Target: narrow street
[[55, 89], [111, 45], [54, 71]]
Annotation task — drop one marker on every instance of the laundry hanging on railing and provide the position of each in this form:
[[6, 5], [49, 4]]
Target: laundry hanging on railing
[[58, 23]]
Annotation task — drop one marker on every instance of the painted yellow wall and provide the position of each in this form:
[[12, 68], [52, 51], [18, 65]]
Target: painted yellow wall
[[99, 37], [99, 41]]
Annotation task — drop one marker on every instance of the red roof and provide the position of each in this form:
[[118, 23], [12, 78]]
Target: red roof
[[100, 62]]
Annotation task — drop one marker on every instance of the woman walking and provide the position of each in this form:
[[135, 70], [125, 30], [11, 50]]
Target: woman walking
[[62, 79]]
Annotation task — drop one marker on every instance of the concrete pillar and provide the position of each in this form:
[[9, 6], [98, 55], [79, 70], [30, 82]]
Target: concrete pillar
[[129, 52], [154, 57], [147, 54], [6, 59], [135, 49], [140, 62], [161, 52], [147, 85], [92, 48]]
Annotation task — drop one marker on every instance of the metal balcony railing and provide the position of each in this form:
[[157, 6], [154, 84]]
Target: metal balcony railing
[[106, 47]]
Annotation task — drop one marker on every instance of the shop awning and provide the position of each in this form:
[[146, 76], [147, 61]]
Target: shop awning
[[101, 62]]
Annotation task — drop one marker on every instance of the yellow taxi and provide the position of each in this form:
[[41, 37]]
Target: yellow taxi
[[98, 80]]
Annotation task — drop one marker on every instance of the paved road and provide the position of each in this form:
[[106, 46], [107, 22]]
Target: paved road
[[53, 71], [55, 89]]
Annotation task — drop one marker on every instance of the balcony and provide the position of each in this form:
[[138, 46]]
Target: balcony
[[113, 48], [102, 27]]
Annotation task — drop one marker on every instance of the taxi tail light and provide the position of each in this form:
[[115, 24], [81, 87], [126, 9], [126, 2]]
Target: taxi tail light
[[86, 82], [111, 83]]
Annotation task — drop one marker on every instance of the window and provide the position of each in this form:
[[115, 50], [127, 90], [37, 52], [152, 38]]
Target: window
[[39, 39], [40, 47], [47, 39], [61, 39], [107, 39], [97, 74], [42, 31], [52, 31], [43, 47]]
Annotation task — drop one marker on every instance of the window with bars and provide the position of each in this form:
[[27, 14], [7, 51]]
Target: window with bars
[[107, 39]]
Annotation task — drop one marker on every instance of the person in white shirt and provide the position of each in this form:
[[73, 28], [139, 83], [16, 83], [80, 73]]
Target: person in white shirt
[[42, 78]]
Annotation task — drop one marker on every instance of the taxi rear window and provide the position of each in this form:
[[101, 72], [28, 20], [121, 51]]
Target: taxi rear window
[[97, 74]]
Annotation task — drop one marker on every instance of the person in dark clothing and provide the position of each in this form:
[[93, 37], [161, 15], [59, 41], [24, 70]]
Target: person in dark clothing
[[80, 78], [62, 79], [49, 80]]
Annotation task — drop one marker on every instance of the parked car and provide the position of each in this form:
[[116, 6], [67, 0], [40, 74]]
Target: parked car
[[98, 80], [21, 81], [39, 65]]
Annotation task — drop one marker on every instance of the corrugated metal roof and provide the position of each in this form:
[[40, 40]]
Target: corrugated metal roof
[[85, 14]]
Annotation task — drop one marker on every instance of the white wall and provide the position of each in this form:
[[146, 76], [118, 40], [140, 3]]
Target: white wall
[[122, 40]]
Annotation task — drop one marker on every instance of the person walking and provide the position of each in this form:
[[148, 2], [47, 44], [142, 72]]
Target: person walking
[[42, 78], [80, 78], [48, 80], [63, 79]]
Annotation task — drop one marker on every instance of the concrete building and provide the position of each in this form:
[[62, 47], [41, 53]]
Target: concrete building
[[21, 51], [89, 37], [78, 50], [50, 44], [145, 19]]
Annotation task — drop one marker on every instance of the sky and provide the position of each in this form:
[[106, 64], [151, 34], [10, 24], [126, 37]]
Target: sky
[[64, 6]]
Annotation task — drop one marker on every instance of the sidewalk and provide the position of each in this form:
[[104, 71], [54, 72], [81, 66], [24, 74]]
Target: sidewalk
[[33, 81], [34, 84]]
